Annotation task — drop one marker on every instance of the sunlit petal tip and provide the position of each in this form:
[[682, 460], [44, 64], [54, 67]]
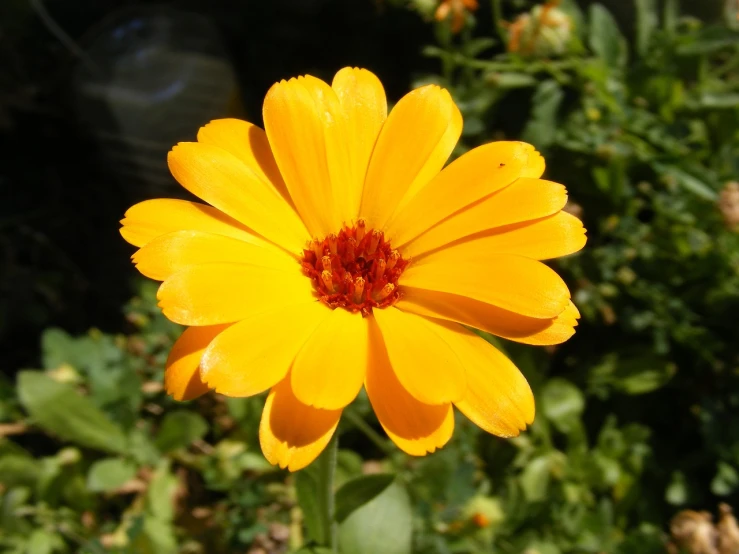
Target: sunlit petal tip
[[292, 434]]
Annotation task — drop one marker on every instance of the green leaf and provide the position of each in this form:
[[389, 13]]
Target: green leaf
[[359, 491], [42, 541], [725, 481], [686, 180], [646, 22], [562, 403], [677, 491], [160, 496], [605, 38], [179, 428], [508, 80], [542, 127], [671, 15], [535, 478], [60, 409], [384, 524], [109, 474]]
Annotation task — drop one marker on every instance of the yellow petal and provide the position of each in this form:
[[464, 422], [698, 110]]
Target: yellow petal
[[363, 102], [213, 293], [514, 283], [255, 353], [524, 200], [307, 130], [329, 370], [424, 363], [249, 144], [494, 320], [415, 142], [150, 219], [534, 166], [415, 427], [498, 398], [224, 181], [182, 375], [543, 239], [475, 175], [167, 254], [292, 434]]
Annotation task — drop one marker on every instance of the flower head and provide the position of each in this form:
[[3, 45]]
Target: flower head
[[457, 9], [545, 31], [335, 253]]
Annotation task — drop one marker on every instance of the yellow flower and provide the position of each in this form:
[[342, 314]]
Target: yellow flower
[[458, 10], [336, 253]]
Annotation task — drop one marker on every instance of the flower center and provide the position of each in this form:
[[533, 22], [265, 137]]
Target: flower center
[[356, 269]]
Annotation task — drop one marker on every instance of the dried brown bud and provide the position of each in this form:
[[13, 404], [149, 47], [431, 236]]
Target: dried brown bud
[[729, 205]]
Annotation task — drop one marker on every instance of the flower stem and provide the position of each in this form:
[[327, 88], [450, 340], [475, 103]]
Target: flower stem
[[498, 20], [326, 473]]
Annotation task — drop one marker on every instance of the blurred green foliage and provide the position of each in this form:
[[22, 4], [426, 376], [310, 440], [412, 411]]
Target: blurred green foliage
[[635, 413]]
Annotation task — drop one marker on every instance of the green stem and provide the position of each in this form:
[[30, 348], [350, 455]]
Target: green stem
[[497, 21], [326, 473], [369, 432]]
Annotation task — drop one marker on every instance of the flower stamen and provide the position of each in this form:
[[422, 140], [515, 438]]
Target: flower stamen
[[355, 269]]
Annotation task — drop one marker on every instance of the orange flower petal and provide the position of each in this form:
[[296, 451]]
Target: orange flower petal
[[494, 320], [525, 199], [307, 130], [514, 283], [292, 434], [249, 144], [182, 375], [256, 353], [543, 239], [166, 255], [213, 293], [415, 142], [424, 363], [498, 398], [415, 427], [150, 219], [475, 175], [329, 371], [224, 181], [362, 99]]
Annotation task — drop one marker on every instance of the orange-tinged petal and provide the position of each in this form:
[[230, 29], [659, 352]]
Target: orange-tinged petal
[[514, 283], [424, 363], [292, 434], [524, 200], [414, 143], [150, 219], [307, 130], [362, 99], [498, 399], [256, 353], [329, 370], [475, 175], [494, 320], [167, 254], [182, 375], [249, 144], [543, 239], [224, 181], [213, 293], [416, 428]]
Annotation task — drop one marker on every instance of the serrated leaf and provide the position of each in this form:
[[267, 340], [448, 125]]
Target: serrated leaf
[[179, 428], [109, 474], [384, 524], [605, 39], [542, 127], [61, 410], [359, 491]]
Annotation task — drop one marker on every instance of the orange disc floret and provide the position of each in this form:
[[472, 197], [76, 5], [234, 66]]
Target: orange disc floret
[[356, 269]]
